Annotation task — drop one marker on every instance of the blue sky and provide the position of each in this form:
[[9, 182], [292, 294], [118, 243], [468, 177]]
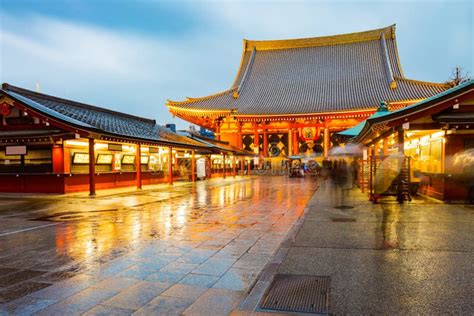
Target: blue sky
[[133, 55]]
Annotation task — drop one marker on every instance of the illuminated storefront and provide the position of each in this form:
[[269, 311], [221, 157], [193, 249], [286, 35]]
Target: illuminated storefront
[[436, 139], [54, 145]]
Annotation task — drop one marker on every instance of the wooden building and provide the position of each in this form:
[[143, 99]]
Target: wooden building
[[292, 96], [47, 144], [436, 136]]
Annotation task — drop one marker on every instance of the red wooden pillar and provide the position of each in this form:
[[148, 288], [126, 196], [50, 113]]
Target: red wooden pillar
[[223, 164], [290, 143], [296, 148], [385, 146], [58, 159], [170, 165], [233, 166], [239, 135], [138, 166], [193, 166], [248, 167], [242, 167], [218, 130], [326, 143], [91, 167], [256, 141], [401, 141], [265, 143]]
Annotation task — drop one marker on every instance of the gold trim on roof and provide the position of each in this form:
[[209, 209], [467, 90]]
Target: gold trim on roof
[[191, 100], [200, 111], [426, 83], [389, 32]]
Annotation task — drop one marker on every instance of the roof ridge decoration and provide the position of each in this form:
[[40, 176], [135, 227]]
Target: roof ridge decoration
[[247, 69], [391, 80], [9, 87], [347, 38]]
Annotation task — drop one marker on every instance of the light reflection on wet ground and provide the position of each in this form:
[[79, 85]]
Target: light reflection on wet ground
[[121, 252]]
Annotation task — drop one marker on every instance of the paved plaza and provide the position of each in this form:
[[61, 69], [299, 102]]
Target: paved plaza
[[188, 248], [213, 248]]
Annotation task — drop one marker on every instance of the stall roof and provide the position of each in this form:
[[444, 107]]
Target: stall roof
[[354, 131], [96, 119]]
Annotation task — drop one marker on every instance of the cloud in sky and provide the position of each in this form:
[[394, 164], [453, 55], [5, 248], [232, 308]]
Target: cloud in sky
[[134, 68]]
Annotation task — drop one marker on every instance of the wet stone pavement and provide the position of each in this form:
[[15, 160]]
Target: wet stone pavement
[[192, 249]]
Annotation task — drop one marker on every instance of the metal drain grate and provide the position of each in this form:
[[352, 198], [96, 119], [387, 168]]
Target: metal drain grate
[[343, 220], [298, 293], [344, 207]]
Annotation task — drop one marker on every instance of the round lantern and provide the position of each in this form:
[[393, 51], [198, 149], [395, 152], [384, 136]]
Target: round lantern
[[5, 109], [309, 133]]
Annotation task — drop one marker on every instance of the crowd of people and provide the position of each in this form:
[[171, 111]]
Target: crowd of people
[[341, 176]]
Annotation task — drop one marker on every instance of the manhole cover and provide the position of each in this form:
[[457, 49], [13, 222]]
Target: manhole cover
[[344, 207], [343, 220], [298, 293]]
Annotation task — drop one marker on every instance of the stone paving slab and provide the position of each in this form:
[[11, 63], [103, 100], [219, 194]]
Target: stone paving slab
[[215, 302]]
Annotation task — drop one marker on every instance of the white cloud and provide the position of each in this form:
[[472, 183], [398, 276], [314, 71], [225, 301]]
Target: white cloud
[[125, 71]]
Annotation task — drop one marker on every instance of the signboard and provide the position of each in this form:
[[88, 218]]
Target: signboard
[[114, 147], [15, 150], [201, 168], [80, 158], [117, 162], [144, 160], [128, 160], [153, 150], [104, 159]]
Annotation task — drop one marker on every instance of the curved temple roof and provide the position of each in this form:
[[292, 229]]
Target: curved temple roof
[[315, 75]]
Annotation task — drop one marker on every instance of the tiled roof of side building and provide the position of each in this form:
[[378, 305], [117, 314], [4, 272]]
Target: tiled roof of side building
[[448, 94], [316, 75], [96, 119]]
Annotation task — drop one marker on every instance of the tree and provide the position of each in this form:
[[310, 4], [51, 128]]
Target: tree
[[458, 76]]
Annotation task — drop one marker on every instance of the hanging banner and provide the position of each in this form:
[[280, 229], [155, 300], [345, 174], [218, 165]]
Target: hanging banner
[[309, 133]]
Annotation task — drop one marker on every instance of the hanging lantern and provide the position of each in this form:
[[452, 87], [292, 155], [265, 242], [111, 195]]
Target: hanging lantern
[[309, 133], [6, 109]]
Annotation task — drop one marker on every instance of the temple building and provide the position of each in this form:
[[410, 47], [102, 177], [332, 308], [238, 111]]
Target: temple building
[[54, 145], [292, 96]]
